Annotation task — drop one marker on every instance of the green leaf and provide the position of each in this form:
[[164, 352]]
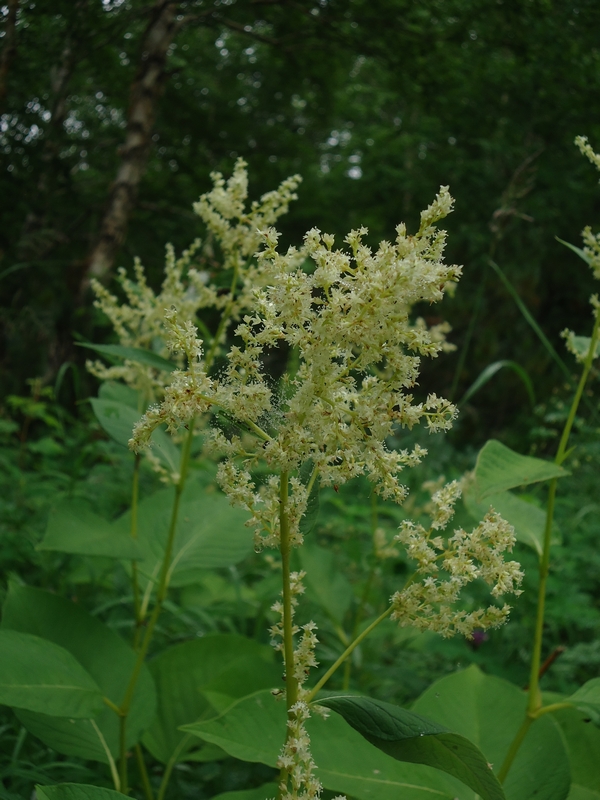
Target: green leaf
[[267, 790], [325, 584], [132, 354], [587, 699], [119, 393], [118, 421], [38, 675], [499, 468], [210, 533], [407, 736], [489, 712], [583, 744], [488, 373], [577, 250], [253, 729], [76, 791], [227, 664], [74, 528], [107, 658], [528, 520]]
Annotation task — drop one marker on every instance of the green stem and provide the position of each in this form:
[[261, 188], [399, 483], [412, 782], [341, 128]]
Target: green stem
[[139, 756], [170, 766], [291, 684], [346, 653], [161, 594], [534, 704], [134, 570]]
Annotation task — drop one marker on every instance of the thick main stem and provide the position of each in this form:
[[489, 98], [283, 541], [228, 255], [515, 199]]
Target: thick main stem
[[534, 703]]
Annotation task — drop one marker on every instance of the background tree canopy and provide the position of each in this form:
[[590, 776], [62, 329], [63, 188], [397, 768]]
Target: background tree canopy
[[114, 112]]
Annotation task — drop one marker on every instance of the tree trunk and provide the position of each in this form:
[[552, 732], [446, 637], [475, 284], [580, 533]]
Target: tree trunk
[[9, 50], [144, 94]]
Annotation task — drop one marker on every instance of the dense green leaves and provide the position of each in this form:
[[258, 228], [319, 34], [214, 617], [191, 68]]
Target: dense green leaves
[[407, 736], [326, 585], [190, 674], [74, 528], [76, 791], [489, 712], [101, 652], [583, 743], [253, 730], [499, 468], [38, 675]]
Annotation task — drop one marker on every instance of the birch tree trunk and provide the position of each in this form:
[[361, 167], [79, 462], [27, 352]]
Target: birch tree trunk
[[144, 94]]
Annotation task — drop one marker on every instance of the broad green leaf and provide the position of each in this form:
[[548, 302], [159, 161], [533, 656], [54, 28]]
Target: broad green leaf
[[489, 712], [132, 354], [225, 664], [583, 744], [407, 736], [325, 584], [119, 393], [499, 468], [253, 729], [210, 533], [76, 791], [118, 421], [528, 520], [74, 528], [587, 699], [38, 675], [107, 658], [267, 790], [488, 373]]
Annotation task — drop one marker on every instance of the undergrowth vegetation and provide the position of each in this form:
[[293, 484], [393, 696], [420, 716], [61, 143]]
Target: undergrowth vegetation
[[406, 617]]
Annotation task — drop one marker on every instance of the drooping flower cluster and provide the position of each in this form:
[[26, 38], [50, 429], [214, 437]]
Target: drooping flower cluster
[[139, 322], [445, 565]]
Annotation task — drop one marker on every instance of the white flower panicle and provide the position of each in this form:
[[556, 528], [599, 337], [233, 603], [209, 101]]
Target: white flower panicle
[[359, 357], [445, 565]]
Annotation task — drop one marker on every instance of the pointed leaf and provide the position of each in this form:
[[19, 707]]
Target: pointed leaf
[[587, 700], [489, 711], [74, 528], [499, 468], [107, 658], [253, 729], [528, 520], [132, 354], [119, 393], [38, 675], [577, 250], [76, 791], [407, 736], [210, 533], [225, 663], [488, 373]]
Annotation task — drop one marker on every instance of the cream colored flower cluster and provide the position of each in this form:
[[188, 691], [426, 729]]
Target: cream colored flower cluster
[[349, 319], [139, 322], [304, 654], [444, 566]]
